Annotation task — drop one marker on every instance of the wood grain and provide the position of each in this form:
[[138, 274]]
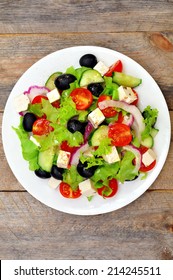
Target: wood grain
[[9, 182], [142, 230], [154, 51], [36, 16]]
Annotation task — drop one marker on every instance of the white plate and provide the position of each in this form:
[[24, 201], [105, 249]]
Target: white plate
[[149, 94]]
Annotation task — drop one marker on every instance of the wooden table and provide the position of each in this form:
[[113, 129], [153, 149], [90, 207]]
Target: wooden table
[[29, 30]]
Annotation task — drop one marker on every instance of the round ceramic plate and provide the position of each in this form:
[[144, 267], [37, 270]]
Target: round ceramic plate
[[149, 94]]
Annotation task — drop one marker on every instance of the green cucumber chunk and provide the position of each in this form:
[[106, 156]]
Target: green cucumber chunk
[[125, 80], [148, 142], [99, 134], [50, 81], [89, 77], [45, 159], [154, 132]]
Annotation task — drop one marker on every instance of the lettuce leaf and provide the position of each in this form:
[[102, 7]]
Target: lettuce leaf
[[150, 117], [66, 111], [111, 88], [104, 147], [72, 177], [127, 169], [36, 109], [91, 161], [50, 111], [29, 149]]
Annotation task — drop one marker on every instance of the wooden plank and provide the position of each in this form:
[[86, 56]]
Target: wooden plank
[[80, 16], [9, 182], [141, 230], [145, 48]]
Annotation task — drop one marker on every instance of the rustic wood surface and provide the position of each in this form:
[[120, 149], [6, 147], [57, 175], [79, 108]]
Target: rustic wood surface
[[29, 30]]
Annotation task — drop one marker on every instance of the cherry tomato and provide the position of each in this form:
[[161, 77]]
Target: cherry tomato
[[42, 127], [136, 101], [65, 147], [113, 185], [108, 112], [144, 168], [82, 97], [67, 191], [56, 104], [116, 67], [120, 134], [37, 99]]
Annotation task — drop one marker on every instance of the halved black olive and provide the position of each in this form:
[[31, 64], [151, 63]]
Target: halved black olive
[[42, 174], [85, 172], [88, 60], [95, 88], [74, 125], [63, 81], [57, 172], [28, 120]]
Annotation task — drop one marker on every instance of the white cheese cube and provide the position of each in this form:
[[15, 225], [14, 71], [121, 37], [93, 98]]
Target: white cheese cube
[[34, 141], [54, 183], [101, 68], [53, 95], [21, 102], [126, 94], [113, 156], [148, 157], [96, 117], [63, 159], [86, 187]]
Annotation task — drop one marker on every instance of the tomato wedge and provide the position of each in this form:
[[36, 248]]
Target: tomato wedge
[[37, 99], [120, 134], [65, 147], [82, 97], [67, 191], [108, 112], [109, 191], [116, 67], [136, 101], [41, 127], [144, 168]]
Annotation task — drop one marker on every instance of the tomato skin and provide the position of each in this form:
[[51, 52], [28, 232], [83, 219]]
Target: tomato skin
[[65, 147], [113, 184], [67, 191], [38, 99], [136, 101], [144, 168], [116, 67], [108, 112], [120, 134], [41, 127], [82, 97], [56, 104]]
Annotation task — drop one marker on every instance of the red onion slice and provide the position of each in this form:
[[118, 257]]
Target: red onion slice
[[137, 154], [138, 124], [128, 120], [33, 91], [89, 127], [75, 157]]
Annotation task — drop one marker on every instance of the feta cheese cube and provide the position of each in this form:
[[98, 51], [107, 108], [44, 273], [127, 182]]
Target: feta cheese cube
[[34, 141], [54, 183], [53, 95], [126, 94], [63, 159], [148, 157], [86, 187], [101, 68], [21, 102], [113, 156], [96, 117]]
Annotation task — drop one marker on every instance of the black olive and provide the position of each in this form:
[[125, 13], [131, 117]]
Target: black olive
[[88, 60], [85, 172], [74, 125], [96, 89], [28, 120], [132, 179], [42, 174], [63, 81], [56, 172]]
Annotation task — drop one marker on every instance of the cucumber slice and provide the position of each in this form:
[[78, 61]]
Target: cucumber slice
[[45, 159], [148, 142], [99, 134], [50, 82], [89, 77], [154, 132], [125, 80]]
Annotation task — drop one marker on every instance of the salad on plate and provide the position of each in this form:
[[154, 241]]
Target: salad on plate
[[83, 130]]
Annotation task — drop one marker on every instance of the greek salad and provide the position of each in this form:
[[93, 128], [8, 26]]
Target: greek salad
[[83, 131]]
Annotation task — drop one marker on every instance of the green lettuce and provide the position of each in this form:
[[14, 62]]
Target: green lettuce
[[111, 88], [77, 72], [72, 177], [104, 147], [91, 161], [50, 111], [150, 117], [127, 169], [29, 149], [66, 111], [36, 109]]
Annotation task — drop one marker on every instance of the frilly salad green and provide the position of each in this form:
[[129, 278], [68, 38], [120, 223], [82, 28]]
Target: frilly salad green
[[84, 132]]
